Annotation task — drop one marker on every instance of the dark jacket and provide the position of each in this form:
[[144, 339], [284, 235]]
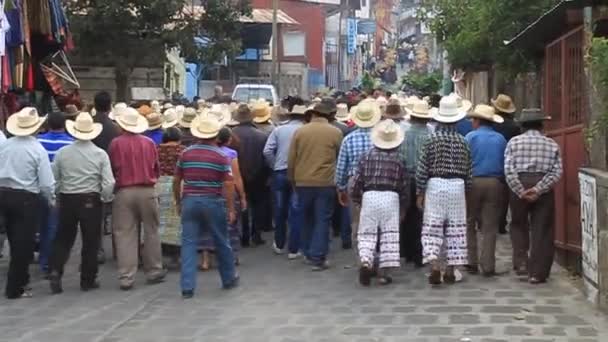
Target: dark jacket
[[109, 132], [508, 129], [251, 152]]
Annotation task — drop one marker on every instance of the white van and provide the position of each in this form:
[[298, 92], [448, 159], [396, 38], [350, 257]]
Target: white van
[[246, 92]]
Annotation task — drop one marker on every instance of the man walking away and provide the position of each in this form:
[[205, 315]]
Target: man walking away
[[380, 187], [25, 173], [485, 200], [84, 182], [533, 166], [207, 204], [509, 129], [311, 168], [276, 152], [135, 164], [52, 141]]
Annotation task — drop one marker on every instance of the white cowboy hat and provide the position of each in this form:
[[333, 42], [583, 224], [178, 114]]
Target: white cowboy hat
[[186, 117], [170, 118], [504, 104], [25, 122], [420, 110], [342, 114], [298, 110], [200, 104], [180, 110], [464, 105], [448, 111], [155, 121], [316, 100], [487, 113], [205, 127], [116, 110], [387, 135], [261, 111], [83, 128], [219, 112], [131, 121], [368, 114]]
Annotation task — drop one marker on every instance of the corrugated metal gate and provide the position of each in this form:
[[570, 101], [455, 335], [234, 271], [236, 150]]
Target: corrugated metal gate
[[564, 100]]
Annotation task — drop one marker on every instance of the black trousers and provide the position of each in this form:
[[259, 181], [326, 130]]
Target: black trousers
[[255, 217], [75, 209], [411, 230], [18, 209]]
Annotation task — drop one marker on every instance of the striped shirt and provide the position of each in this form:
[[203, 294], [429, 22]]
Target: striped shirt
[[204, 169], [53, 141]]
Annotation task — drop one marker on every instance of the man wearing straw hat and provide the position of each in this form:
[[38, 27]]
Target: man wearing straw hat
[[84, 182], [353, 147], [25, 174], [380, 187], [155, 129], [206, 201], [276, 152], [186, 116], [311, 168], [136, 167], [443, 176], [484, 204], [261, 116], [533, 166], [415, 137]]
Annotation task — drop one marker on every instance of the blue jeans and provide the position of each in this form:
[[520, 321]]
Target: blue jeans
[[345, 225], [47, 231], [316, 206], [286, 212], [205, 214]]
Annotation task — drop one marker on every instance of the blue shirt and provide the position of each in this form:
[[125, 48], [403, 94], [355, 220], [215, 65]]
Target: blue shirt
[[276, 150], [488, 151], [53, 141], [156, 135], [353, 147], [464, 127]]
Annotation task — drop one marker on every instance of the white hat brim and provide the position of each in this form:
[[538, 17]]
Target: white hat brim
[[495, 118], [198, 134], [140, 127], [509, 110], [13, 128], [437, 116], [97, 129], [169, 124], [411, 112], [387, 145]]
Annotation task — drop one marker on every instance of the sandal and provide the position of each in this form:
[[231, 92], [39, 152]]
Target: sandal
[[435, 277], [385, 280]]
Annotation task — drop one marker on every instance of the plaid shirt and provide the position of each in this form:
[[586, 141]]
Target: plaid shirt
[[532, 152], [381, 170], [353, 147]]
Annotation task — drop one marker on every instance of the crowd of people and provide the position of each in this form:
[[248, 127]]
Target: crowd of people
[[396, 177]]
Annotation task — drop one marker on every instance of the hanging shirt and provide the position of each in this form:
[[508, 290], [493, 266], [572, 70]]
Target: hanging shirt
[[4, 28]]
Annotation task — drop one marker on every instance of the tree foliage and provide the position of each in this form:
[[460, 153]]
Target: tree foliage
[[473, 31], [422, 83]]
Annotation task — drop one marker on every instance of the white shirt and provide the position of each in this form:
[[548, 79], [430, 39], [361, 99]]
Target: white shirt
[[24, 165]]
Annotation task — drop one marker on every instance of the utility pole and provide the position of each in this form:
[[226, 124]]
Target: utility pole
[[275, 44]]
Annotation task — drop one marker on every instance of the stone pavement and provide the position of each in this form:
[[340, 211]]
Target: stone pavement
[[283, 301]]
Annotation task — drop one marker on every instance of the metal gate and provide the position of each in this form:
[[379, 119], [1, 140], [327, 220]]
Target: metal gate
[[331, 65], [564, 99]]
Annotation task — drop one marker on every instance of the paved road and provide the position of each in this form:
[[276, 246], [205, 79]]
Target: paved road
[[283, 301]]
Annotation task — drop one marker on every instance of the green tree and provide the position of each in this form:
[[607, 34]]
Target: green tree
[[124, 34], [473, 31]]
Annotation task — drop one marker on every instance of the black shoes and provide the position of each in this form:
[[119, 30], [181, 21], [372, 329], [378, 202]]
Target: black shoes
[[365, 275], [55, 283], [89, 286], [187, 294], [347, 245], [234, 283]]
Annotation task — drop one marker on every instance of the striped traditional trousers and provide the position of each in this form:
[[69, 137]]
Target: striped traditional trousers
[[445, 221], [379, 223]]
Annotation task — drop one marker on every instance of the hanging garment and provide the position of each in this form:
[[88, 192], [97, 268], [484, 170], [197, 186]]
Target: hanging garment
[[4, 28], [14, 37], [379, 216], [445, 221]]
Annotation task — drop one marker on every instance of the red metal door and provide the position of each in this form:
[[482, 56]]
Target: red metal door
[[564, 100]]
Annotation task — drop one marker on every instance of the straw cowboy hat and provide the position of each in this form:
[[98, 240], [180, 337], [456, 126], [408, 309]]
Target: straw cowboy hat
[[298, 110], [504, 104], [83, 128], [382, 102], [420, 109], [529, 115], [342, 114], [352, 111], [410, 101], [180, 110], [155, 121], [394, 109], [487, 113], [200, 104], [131, 121], [205, 127], [326, 107], [221, 113], [261, 111], [25, 122], [387, 135], [448, 111], [117, 109], [186, 117], [368, 114], [170, 118], [242, 114], [71, 111]]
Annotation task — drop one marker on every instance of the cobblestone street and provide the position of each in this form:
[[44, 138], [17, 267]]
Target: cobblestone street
[[283, 301]]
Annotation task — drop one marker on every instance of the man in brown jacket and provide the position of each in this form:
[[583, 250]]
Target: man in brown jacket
[[311, 169]]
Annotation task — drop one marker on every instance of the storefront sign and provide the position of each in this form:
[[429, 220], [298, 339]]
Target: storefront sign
[[351, 36], [588, 190], [367, 26]]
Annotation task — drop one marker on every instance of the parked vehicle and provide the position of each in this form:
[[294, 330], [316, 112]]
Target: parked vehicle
[[246, 92]]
